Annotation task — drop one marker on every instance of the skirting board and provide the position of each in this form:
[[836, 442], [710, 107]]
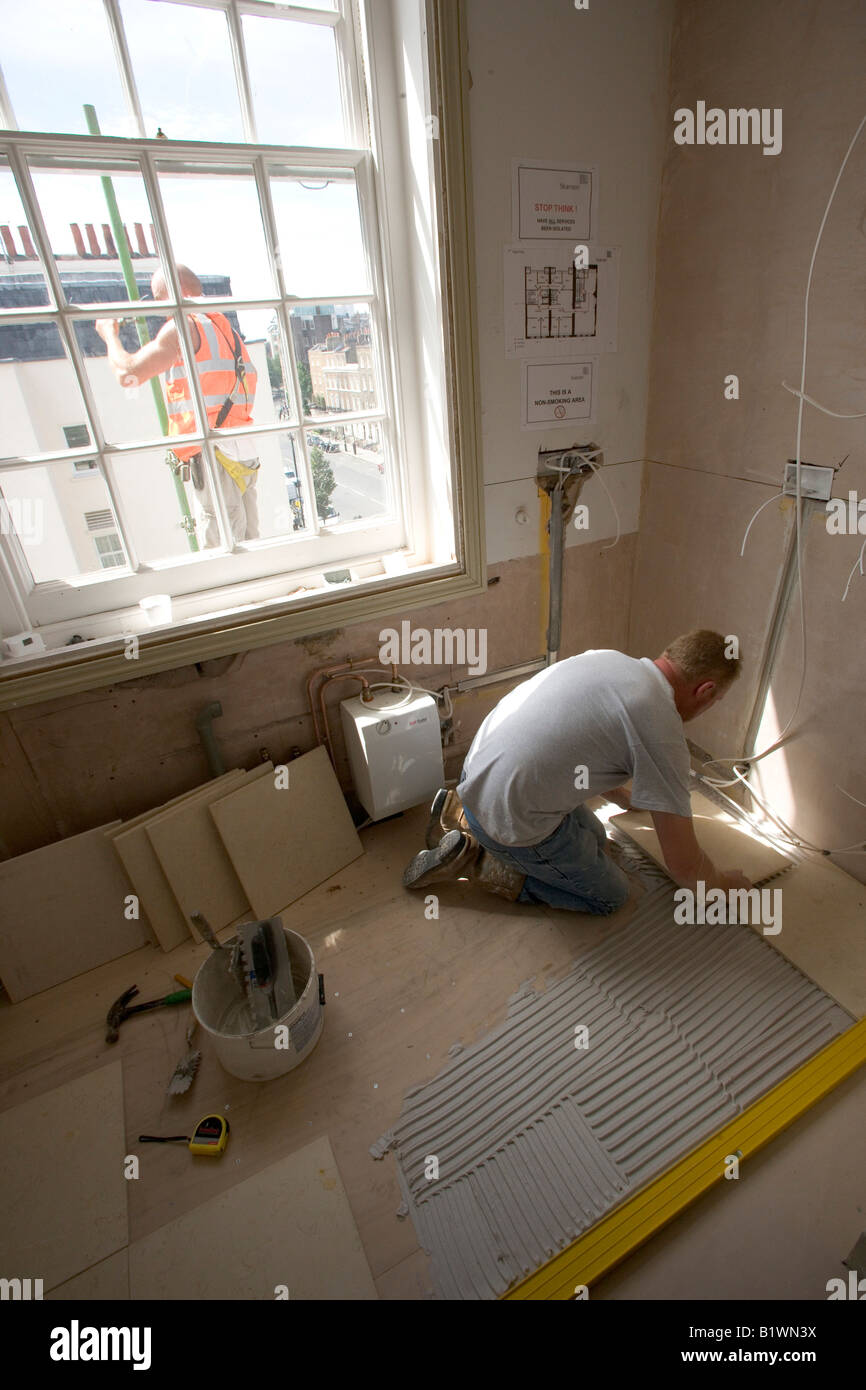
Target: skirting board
[[62, 1189], [62, 912], [283, 841]]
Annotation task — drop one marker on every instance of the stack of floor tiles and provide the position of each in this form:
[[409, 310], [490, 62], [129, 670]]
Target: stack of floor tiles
[[243, 844], [536, 1140], [247, 843]]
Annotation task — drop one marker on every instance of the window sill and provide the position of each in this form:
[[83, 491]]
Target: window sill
[[100, 662]]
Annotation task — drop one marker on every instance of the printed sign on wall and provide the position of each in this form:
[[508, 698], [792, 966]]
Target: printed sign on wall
[[557, 393], [553, 201]]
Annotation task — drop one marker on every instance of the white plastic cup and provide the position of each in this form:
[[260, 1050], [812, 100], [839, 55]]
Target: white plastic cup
[[157, 609]]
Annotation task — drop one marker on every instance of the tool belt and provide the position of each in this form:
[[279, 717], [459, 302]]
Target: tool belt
[[241, 473]]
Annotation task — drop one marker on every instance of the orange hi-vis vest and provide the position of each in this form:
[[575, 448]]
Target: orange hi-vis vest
[[227, 377]]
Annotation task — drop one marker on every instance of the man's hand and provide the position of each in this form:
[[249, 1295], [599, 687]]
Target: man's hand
[[134, 368], [108, 329], [686, 861]]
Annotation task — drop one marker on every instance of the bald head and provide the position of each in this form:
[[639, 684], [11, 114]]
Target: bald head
[[190, 284]]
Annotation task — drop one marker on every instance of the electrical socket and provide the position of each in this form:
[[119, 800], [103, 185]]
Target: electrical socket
[[816, 482], [551, 461]]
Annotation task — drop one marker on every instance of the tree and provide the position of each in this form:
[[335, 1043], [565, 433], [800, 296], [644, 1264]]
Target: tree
[[324, 481], [306, 386], [275, 371]]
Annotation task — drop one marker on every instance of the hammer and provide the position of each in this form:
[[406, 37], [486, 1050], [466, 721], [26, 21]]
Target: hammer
[[121, 1009]]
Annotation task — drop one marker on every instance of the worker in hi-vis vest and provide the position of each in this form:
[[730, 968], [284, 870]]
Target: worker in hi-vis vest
[[228, 384]]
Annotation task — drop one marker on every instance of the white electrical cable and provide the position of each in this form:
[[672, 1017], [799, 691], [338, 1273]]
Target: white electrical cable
[[848, 794], [801, 398], [791, 835], [774, 498], [837, 414], [587, 458], [410, 687], [858, 564]]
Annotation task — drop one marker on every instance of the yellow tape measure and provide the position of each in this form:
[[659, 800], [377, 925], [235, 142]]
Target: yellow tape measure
[[210, 1137]]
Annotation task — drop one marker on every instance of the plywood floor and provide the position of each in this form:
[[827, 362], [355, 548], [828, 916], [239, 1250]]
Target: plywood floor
[[401, 990]]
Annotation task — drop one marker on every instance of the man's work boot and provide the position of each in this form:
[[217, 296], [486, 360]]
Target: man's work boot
[[497, 877], [451, 858], [459, 855], [446, 814]]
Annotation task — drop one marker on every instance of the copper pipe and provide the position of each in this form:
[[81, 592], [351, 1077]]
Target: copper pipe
[[328, 670], [337, 676]]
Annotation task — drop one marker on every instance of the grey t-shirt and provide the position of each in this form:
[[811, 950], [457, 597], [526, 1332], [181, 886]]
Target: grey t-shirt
[[602, 710]]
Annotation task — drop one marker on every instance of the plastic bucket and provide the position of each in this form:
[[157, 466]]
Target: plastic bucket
[[268, 1052]]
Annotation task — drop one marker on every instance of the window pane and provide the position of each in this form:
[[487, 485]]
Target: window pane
[[22, 281], [38, 389], [183, 69], [233, 355], [269, 396], [335, 343], [215, 227], [76, 216], [57, 55], [127, 413], [260, 487], [274, 502], [319, 231], [49, 505], [145, 482], [348, 471], [295, 82]]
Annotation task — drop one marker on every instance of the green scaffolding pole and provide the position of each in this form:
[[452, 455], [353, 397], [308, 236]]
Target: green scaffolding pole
[[141, 324]]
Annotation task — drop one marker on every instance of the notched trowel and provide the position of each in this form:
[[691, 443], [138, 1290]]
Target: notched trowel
[[267, 970]]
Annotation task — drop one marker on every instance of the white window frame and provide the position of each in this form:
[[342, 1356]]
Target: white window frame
[[266, 561], [383, 588]]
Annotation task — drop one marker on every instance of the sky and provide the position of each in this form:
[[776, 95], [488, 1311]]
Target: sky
[[57, 55]]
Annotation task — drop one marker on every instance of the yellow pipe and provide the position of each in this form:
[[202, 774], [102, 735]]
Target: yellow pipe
[[544, 554]]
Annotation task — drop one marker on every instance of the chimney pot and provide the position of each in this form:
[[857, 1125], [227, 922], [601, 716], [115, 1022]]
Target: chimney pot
[[110, 248], [8, 242], [27, 243], [78, 239], [92, 240]]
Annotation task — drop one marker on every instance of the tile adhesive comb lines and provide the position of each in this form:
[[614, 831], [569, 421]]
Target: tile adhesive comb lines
[[536, 1140]]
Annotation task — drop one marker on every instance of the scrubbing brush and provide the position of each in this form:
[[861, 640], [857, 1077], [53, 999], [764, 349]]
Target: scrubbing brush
[[184, 1072]]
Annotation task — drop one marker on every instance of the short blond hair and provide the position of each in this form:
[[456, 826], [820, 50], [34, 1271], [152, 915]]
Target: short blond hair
[[702, 656]]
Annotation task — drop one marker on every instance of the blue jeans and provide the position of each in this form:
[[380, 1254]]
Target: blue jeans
[[569, 869]]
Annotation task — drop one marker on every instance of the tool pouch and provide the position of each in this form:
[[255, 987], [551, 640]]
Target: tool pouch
[[196, 469], [179, 467]]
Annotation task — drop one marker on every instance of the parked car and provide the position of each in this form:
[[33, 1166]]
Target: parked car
[[330, 518]]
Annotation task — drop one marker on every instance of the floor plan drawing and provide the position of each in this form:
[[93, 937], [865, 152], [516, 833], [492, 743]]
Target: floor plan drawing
[[560, 303], [550, 304]]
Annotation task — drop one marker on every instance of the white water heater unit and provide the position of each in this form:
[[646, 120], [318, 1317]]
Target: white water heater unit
[[395, 750]]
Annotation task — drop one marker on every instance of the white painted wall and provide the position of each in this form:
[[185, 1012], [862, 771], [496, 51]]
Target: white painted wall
[[555, 83]]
